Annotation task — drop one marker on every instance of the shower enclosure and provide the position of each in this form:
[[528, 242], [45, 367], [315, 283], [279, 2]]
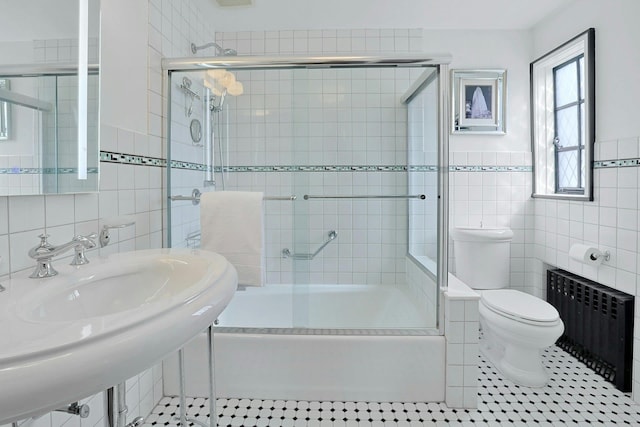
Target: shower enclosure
[[351, 155]]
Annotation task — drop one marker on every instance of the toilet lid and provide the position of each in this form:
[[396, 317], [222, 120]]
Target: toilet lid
[[517, 304]]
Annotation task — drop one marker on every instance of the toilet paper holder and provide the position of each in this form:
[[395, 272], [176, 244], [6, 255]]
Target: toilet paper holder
[[606, 256]]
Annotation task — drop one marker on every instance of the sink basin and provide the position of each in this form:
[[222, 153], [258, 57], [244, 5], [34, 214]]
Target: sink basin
[[93, 326]]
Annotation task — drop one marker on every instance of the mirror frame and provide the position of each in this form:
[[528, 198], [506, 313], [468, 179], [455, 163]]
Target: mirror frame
[[5, 113], [496, 81], [544, 175]]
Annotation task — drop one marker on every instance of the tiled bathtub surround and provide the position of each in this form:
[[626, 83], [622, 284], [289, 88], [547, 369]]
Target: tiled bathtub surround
[[461, 324]]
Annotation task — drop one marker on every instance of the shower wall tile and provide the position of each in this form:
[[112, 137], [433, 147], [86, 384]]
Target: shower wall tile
[[317, 118], [173, 26]]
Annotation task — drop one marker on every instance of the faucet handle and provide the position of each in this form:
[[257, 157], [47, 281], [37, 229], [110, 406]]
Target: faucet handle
[[41, 249], [84, 242], [44, 242], [88, 241]]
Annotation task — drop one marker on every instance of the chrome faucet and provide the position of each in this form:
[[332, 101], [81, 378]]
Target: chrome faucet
[[44, 253]]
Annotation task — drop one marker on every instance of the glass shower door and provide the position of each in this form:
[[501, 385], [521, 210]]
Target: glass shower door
[[354, 197]]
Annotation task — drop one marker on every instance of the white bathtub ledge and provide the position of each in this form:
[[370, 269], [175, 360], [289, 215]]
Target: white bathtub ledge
[[458, 290]]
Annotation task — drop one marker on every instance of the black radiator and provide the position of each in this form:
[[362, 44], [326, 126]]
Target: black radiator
[[598, 325]]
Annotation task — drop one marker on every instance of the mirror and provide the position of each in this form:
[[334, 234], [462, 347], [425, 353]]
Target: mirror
[[196, 131], [49, 86]]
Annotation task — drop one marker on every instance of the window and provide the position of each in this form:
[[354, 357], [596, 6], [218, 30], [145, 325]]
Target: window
[[562, 120], [568, 126]]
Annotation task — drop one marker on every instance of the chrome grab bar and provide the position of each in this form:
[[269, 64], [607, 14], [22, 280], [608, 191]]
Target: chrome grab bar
[[195, 197], [409, 196], [292, 197], [286, 253]]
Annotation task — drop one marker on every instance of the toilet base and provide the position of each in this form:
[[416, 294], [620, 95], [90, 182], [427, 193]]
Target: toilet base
[[521, 366], [515, 347]]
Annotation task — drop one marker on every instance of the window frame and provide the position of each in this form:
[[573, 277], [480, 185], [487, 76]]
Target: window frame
[[543, 112], [578, 103]]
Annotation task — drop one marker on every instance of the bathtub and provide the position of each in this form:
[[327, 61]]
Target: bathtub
[[264, 349]]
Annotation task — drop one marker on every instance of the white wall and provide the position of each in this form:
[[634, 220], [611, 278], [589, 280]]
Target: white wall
[[490, 179], [611, 220], [123, 67], [617, 58], [475, 49]]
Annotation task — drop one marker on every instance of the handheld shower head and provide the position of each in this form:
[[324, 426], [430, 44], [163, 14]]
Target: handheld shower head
[[219, 50]]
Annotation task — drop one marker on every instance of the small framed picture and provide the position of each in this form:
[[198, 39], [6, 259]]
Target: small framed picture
[[478, 102]]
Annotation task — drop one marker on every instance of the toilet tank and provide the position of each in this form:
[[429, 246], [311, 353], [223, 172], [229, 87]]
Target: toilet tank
[[482, 256]]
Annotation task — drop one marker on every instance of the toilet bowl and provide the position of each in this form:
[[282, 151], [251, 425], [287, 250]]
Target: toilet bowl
[[515, 326]]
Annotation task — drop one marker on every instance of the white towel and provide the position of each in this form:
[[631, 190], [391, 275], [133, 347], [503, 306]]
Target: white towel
[[231, 224]]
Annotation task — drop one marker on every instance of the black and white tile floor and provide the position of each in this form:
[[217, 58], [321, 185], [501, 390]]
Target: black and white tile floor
[[575, 396]]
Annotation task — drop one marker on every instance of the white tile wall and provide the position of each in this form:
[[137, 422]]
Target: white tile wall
[[494, 198], [610, 223]]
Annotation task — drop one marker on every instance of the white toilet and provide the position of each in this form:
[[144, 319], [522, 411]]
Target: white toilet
[[516, 326]]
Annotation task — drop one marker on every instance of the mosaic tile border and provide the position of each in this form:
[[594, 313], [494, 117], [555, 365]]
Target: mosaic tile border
[[322, 168], [131, 159], [136, 160], [373, 168], [471, 168], [112, 157], [43, 171], [619, 163]]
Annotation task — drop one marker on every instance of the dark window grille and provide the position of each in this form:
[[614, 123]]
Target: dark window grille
[[569, 125]]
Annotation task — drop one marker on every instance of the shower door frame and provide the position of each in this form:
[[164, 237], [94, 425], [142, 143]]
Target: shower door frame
[[415, 60]]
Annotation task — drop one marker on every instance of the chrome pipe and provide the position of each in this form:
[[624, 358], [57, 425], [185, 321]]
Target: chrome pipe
[[219, 49], [289, 62], [24, 100], [416, 196], [195, 198], [213, 415], [37, 70], [443, 182], [183, 419], [110, 406], [292, 197], [183, 401], [76, 409], [121, 391], [189, 92]]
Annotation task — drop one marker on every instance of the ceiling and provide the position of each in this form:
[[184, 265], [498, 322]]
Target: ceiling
[[430, 14]]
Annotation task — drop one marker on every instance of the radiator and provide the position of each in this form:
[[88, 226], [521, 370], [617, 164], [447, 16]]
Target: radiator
[[598, 323]]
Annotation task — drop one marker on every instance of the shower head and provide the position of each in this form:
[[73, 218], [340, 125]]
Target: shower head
[[219, 50]]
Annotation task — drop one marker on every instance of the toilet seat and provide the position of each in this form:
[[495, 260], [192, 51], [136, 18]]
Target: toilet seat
[[520, 306]]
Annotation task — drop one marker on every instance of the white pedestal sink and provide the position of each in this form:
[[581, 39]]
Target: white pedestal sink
[[93, 326]]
